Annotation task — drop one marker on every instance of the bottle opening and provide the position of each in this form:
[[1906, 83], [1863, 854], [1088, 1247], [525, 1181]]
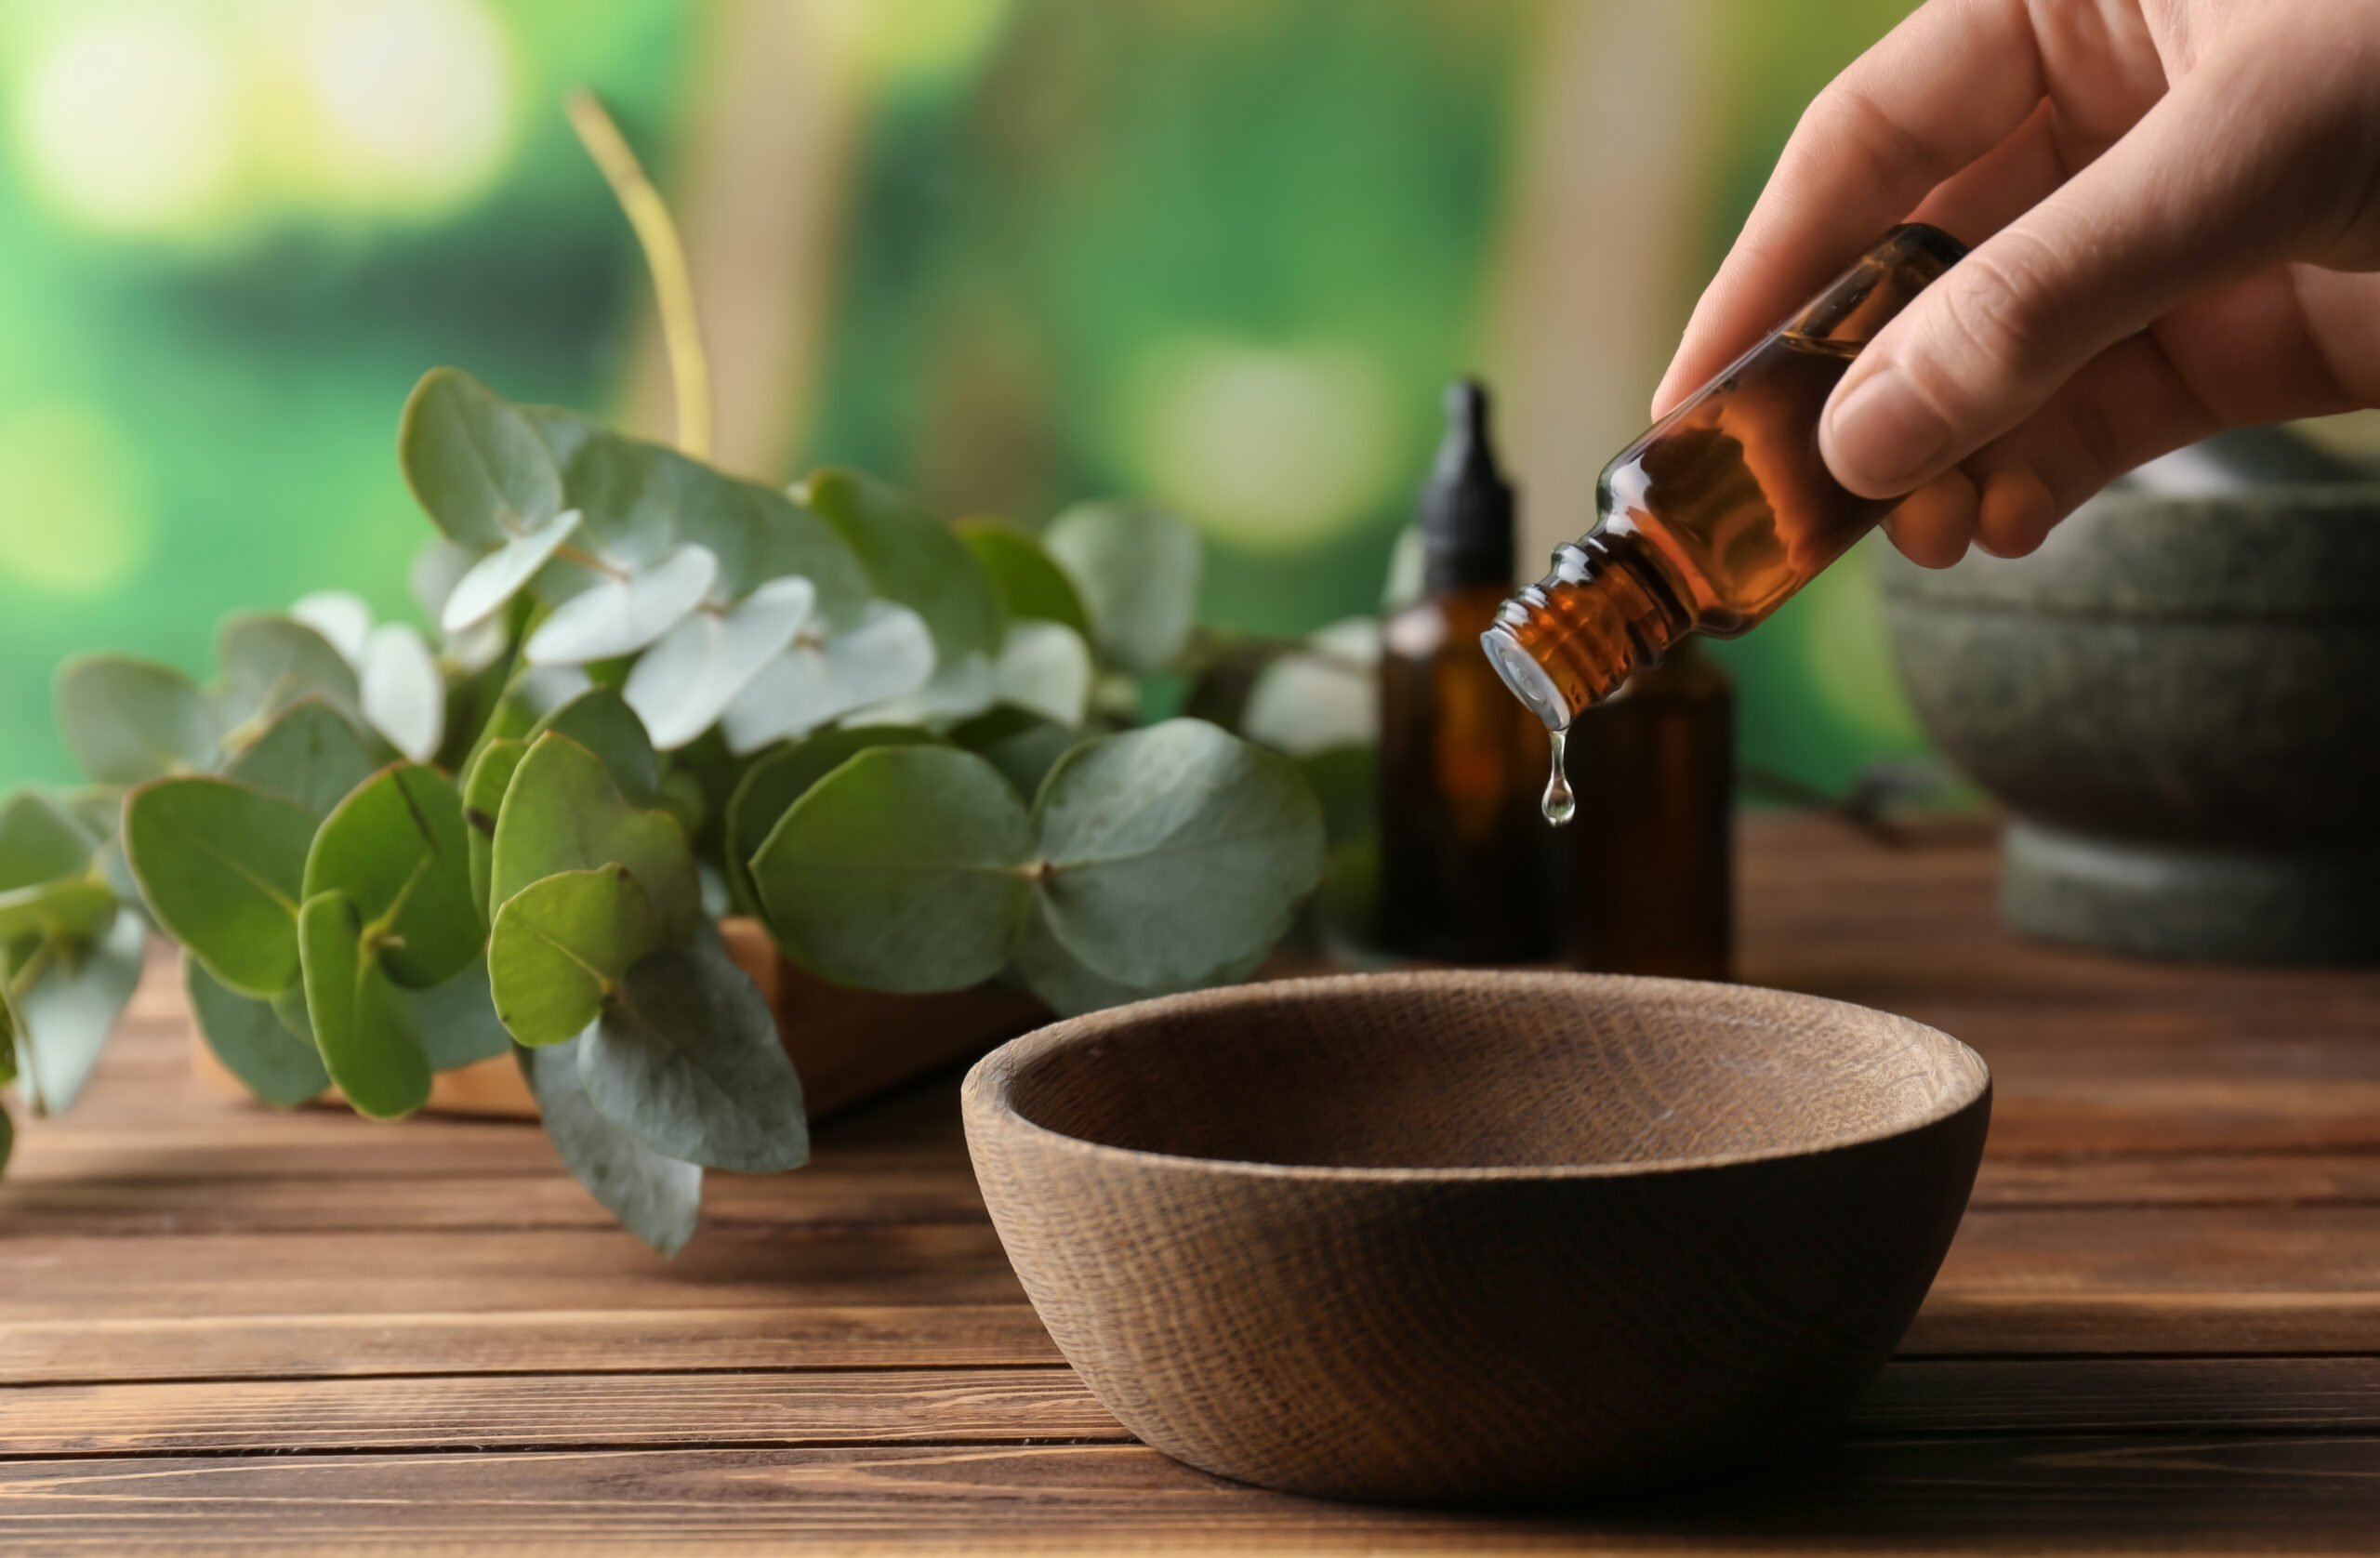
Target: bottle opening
[[1529, 680]]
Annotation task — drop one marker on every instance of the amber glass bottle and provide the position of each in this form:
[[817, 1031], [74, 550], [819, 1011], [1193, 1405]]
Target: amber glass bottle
[[1657, 896], [1714, 518], [1466, 875]]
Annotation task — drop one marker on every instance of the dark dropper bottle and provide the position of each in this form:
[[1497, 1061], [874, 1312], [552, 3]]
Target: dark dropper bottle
[[1465, 875], [1715, 517]]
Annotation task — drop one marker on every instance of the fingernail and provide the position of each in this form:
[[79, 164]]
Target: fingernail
[[1886, 436]]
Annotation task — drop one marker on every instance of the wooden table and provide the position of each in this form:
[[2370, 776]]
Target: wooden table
[[220, 1327]]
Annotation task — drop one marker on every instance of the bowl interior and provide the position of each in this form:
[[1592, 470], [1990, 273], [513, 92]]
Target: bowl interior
[[1489, 1071]]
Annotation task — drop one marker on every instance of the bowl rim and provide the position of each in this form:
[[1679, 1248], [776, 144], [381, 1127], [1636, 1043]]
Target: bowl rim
[[986, 1098]]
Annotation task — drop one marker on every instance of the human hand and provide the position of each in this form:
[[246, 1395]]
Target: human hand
[[2171, 203]]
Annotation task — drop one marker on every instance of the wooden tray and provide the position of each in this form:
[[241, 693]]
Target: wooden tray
[[847, 1044]]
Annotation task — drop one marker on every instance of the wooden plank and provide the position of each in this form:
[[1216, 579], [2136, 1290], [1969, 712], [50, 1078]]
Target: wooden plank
[[2192, 1180], [2105, 1322], [2075, 1495], [103, 1348], [2120, 1396], [2080, 1252], [554, 1411]]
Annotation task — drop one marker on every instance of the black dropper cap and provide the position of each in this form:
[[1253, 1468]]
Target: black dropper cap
[[1466, 508]]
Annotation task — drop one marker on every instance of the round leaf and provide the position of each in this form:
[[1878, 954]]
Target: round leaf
[[903, 870], [683, 684], [309, 754], [403, 696], [960, 690], [620, 614], [563, 813], [656, 1198], [888, 655], [1138, 570], [760, 534], [473, 462], [278, 1067], [127, 722], [341, 617], [222, 867], [600, 720], [41, 840], [686, 1057], [913, 558], [72, 1008], [562, 945], [271, 662], [71, 908], [625, 487], [495, 579], [456, 1020], [780, 779], [1031, 585], [1174, 851], [361, 1023], [397, 849], [1070, 988], [1045, 669], [483, 789]]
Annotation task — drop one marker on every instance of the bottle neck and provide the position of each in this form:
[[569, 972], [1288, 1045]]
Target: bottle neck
[[1568, 642]]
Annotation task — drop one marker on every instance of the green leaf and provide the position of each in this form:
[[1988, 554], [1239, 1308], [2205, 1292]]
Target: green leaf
[[483, 789], [1174, 851], [456, 1020], [222, 867], [288, 1008], [128, 721], [889, 655], [758, 534], [361, 1023], [616, 615], [775, 782], [475, 463], [903, 870], [72, 1006], [1022, 747], [914, 558], [564, 814], [680, 686], [656, 1198], [403, 695], [687, 1057], [271, 662], [1045, 669], [1031, 585], [600, 720], [70, 910], [278, 1067], [1138, 570], [625, 489], [561, 430], [1070, 988], [489, 584], [309, 754], [399, 851], [41, 840], [562, 945]]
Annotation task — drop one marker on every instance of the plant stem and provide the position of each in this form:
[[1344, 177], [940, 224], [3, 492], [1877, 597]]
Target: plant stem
[[673, 287]]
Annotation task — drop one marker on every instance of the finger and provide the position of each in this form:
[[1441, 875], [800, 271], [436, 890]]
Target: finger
[[1933, 524], [2186, 202], [1942, 89], [2003, 184]]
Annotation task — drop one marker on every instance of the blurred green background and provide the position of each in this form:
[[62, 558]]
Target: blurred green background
[[1218, 253]]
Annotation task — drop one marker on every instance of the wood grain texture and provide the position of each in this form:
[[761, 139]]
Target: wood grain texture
[[1476, 1237]]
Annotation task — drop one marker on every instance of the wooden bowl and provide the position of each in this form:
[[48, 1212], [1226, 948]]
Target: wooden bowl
[[1473, 1238]]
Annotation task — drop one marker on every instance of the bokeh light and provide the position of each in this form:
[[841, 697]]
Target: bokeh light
[[908, 42], [415, 97], [129, 121], [71, 522]]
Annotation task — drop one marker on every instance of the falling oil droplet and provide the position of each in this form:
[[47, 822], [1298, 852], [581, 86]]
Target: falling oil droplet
[[1560, 804]]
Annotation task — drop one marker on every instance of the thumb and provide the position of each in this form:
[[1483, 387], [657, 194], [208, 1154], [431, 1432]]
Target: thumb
[[2184, 201]]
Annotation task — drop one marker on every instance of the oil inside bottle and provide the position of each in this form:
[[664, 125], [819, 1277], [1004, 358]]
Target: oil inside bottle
[[1560, 804]]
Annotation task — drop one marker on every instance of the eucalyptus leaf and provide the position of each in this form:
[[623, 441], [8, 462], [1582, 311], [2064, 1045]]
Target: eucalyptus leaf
[[492, 582], [403, 696], [563, 812], [361, 1023], [657, 1198], [340, 616], [903, 869], [1310, 700], [562, 945], [1069, 987], [957, 689], [625, 487], [399, 851], [759, 533], [456, 1020], [686, 1056], [913, 558], [271, 662], [621, 614], [1174, 851], [41, 840], [1045, 669], [71, 908], [1138, 570], [277, 1066], [1022, 747], [309, 754], [889, 654], [69, 1010], [684, 684], [563, 431], [600, 720], [475, 463], [288, 1008], [775, 782], [127, 722], [1031, 585], [484, 789], [222, 867]]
